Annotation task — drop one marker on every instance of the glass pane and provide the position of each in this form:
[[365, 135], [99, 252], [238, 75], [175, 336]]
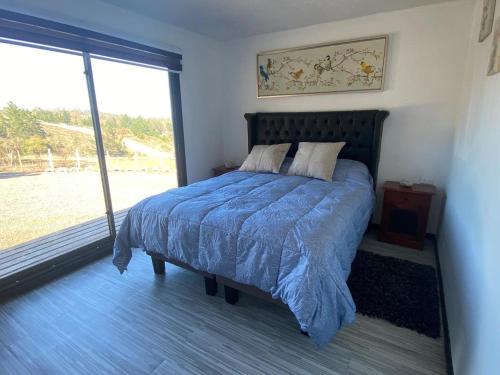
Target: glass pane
[[134, 110], [49, 175]]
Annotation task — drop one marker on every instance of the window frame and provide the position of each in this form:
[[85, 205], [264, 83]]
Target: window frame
[[34, 32]]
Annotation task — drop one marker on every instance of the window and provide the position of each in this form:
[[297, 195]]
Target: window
[[49, 173], [136, 121], [89, 125]]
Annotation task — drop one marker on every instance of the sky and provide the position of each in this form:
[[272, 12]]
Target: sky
[[31, 78]]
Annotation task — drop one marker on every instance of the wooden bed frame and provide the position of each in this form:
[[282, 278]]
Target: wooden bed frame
[[362, 132]]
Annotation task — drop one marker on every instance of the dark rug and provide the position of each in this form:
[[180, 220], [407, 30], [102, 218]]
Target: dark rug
[[402, 292]]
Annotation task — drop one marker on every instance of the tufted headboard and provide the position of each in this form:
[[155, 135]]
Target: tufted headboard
[[361, 130]]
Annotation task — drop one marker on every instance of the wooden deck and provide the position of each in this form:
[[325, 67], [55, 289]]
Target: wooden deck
[[42, 253]]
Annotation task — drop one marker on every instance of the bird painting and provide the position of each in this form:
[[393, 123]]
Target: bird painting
[[356, 65], [366, 68], [263, 73], [296, 75]]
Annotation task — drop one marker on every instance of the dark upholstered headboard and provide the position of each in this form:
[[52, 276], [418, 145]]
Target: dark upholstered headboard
[[361, 130]]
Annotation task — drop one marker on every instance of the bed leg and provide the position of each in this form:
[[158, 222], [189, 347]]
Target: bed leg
[[210, 286], [158, 266], [230, 294]]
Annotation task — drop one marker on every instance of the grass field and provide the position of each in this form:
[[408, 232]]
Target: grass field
[[34, 205]]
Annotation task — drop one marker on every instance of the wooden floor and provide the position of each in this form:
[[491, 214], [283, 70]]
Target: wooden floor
[[96, 321]]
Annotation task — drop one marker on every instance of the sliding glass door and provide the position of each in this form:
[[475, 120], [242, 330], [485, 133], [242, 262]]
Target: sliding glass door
[[53, 174], [49, 173], [77, 149], [136, 123]]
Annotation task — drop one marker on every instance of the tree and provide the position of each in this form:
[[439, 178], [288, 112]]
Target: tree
[[35, 145], [17, 125]]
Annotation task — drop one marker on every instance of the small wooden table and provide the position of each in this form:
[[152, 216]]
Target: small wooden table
[[405, 214], [220, 170]]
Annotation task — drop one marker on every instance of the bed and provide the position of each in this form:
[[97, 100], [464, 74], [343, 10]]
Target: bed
[[291, 239]]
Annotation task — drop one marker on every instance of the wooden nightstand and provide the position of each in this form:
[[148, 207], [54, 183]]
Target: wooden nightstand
[[405, 213], [220, 170]]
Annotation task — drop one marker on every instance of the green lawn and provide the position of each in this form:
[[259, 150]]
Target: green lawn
[[36, 205]]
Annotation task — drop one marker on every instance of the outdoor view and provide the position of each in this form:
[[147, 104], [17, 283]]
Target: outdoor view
[[49, 172]]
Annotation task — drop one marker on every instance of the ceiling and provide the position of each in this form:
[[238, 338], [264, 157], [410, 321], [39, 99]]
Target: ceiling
[[233, 19]]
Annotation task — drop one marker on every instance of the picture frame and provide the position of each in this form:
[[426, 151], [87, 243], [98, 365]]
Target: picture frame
[[494, 65], [356, 65], [488, 17]]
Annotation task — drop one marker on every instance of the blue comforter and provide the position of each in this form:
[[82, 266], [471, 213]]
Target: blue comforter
[[292, 236]]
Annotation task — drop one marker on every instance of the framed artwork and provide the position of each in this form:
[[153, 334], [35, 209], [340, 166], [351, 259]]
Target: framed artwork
[[487, 19], [494, 67], [346, 66]]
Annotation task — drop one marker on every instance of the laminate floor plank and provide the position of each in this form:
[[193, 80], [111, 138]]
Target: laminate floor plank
[[96, 321]]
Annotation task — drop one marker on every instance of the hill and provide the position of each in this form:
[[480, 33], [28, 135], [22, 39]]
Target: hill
[[27, 135]]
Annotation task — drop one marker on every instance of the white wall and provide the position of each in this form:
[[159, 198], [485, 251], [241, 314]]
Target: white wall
[[470, 240], [200, 79], [425, 69]]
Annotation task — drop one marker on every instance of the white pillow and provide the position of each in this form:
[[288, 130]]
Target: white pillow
[[266, 158], [316, 160]]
